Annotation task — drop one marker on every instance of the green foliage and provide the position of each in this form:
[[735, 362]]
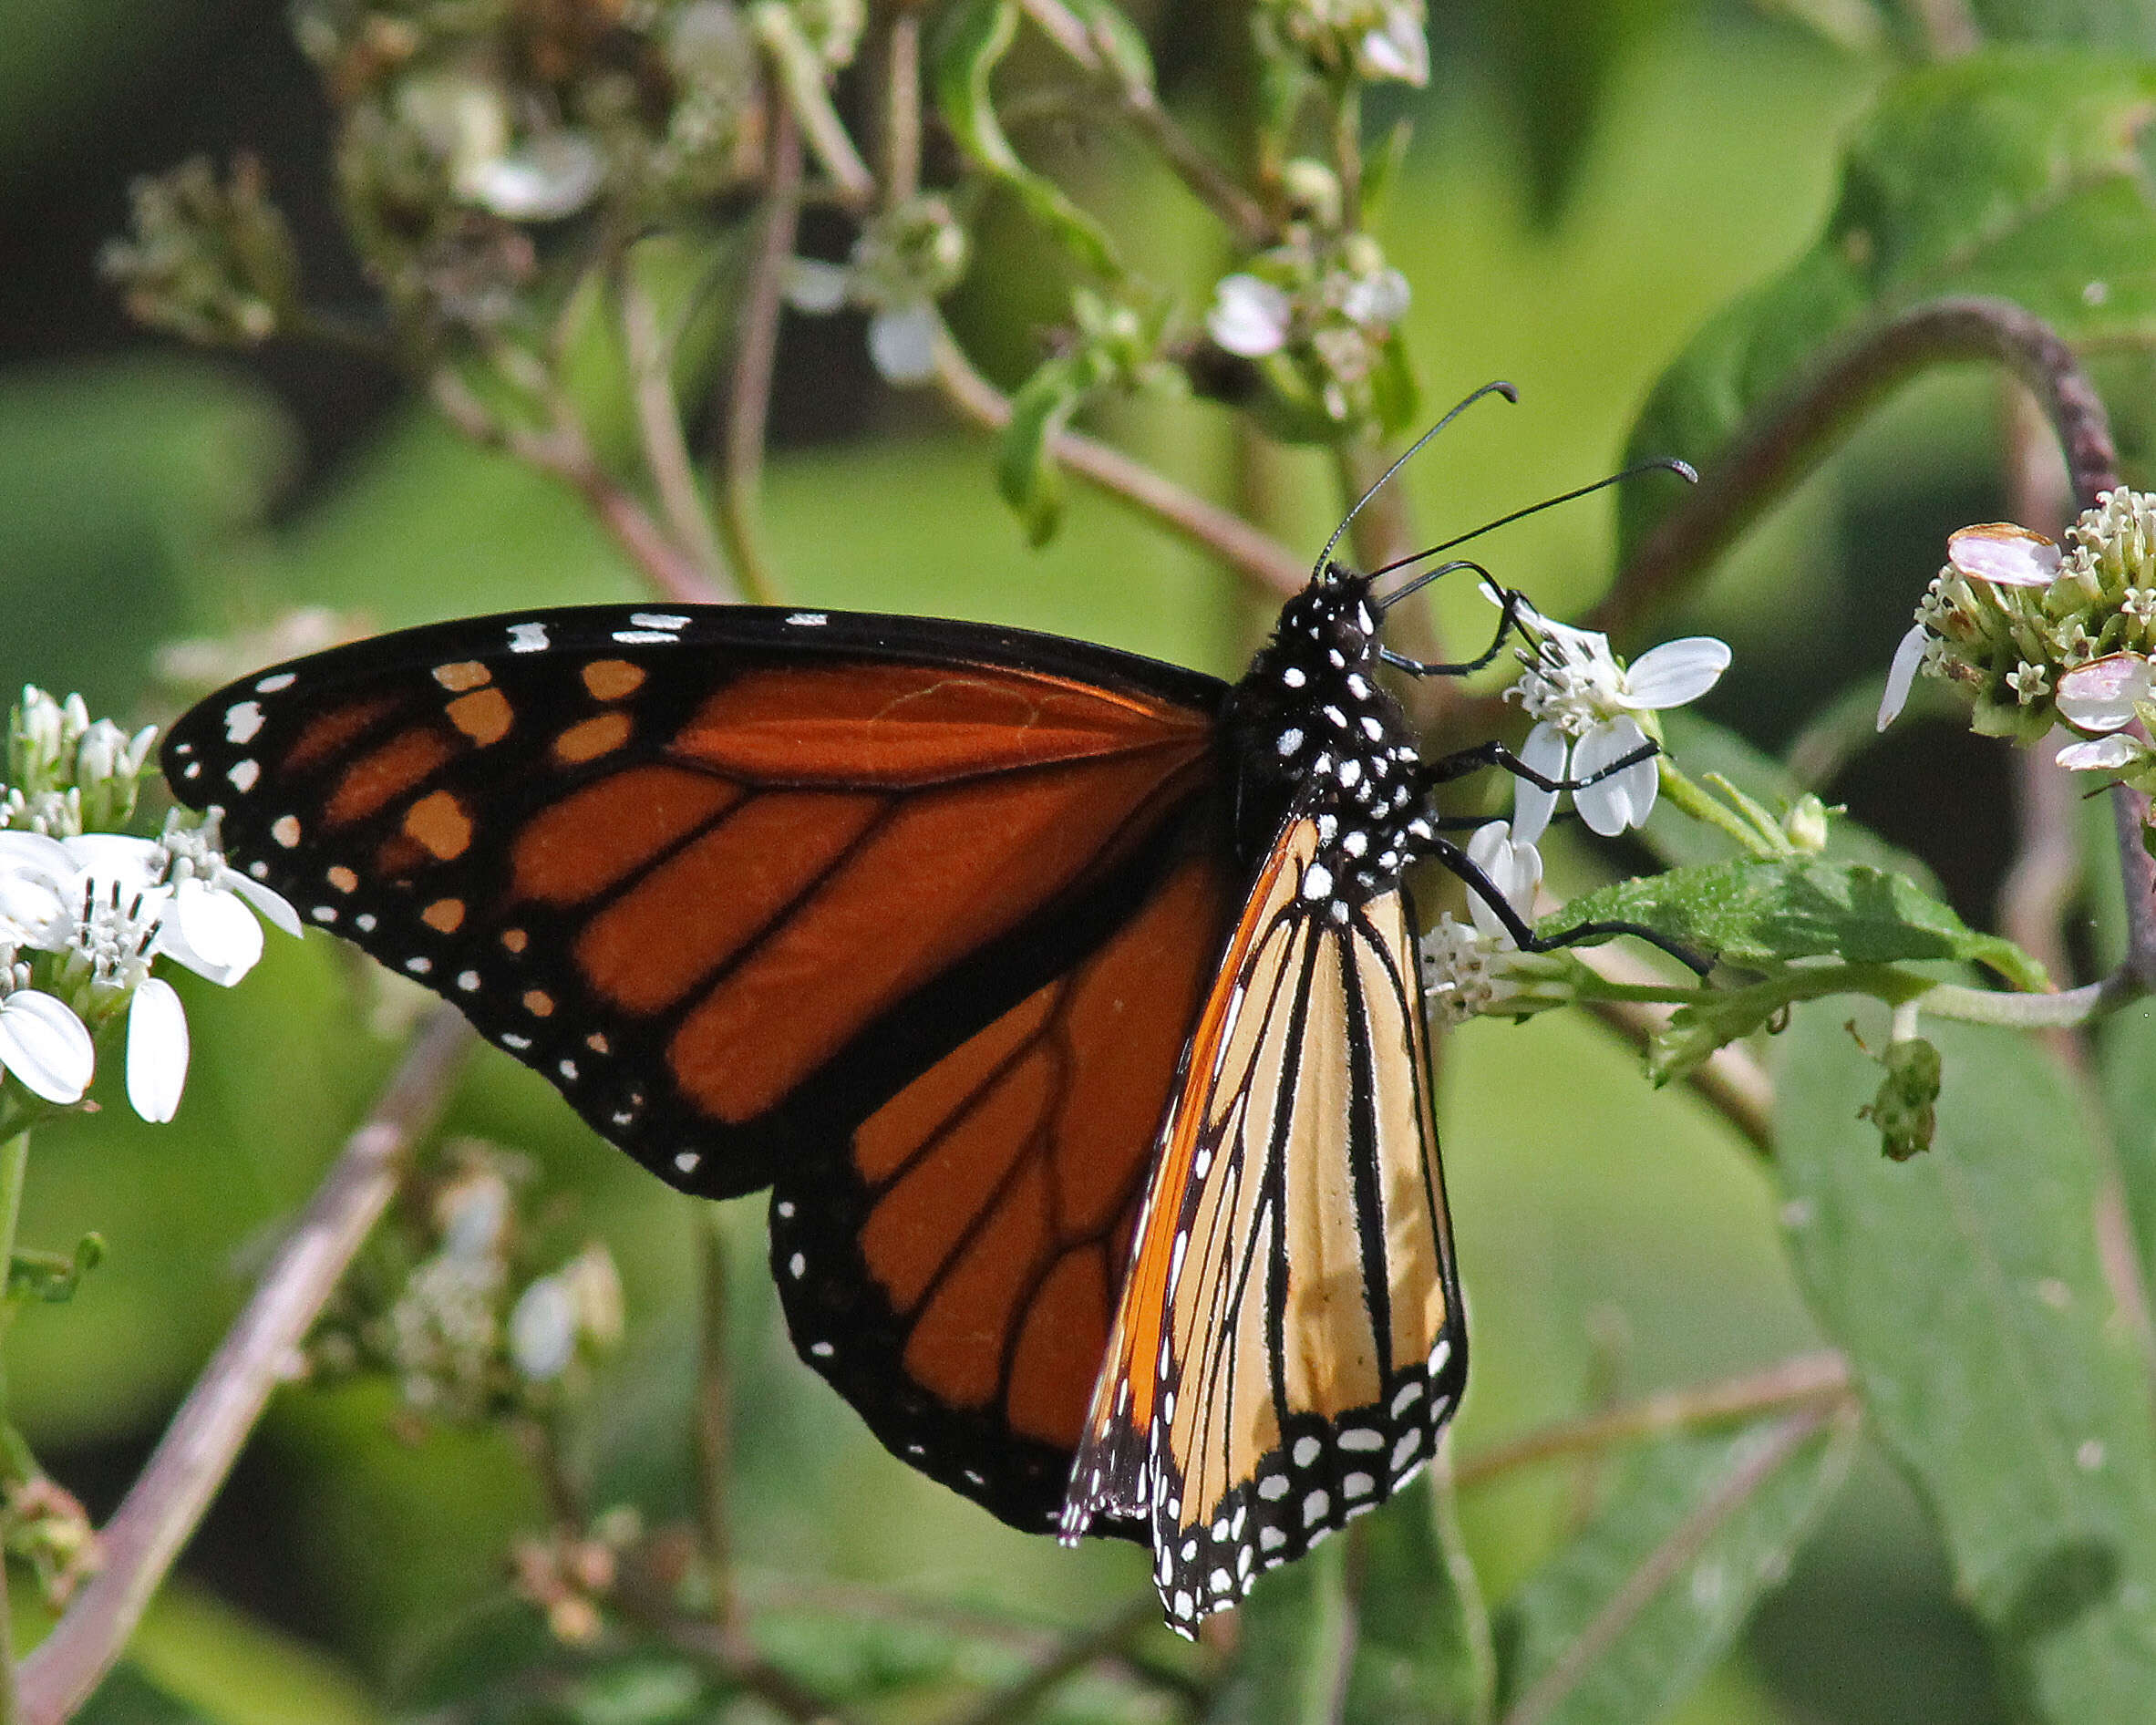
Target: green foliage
[[1971, 1290], [1627, 1616], [2012, 173], [1765, 913]]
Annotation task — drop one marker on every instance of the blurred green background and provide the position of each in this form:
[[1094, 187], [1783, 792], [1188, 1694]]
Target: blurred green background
[[145, 493]]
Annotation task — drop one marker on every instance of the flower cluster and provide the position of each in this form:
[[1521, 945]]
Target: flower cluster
[[2014, 619], [903, 261], [1318, 313], [85, 912], [1474, 966], [453, 1311], [1374, 39]]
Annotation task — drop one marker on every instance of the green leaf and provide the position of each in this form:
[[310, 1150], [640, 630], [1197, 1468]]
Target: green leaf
[[1968, 1288], [1665, 1575], [53, 1277], [2015, 172], [2122, 24], [976, 37], [1766, 912], [2128, 1055], [1025, 473], [1404, 1647], [1120, 42]]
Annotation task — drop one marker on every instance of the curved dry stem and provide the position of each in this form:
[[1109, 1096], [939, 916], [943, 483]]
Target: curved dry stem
[[1803, 1379], [1667, 1561], [658, 427], [204, 1438], [1788, 436], [1244, 548], [566, 454], [756, 353]]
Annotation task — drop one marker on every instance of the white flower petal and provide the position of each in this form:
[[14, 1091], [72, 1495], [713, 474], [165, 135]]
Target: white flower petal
[[553, 176], [1250, 316], [212, 933], [1624, 798], [2003, 554], [1545, 751], [816, 287], [1901, 675], [542, 1330], [2102, 694], [2106, 754], [157, 1050], [1399, 50], [271, 902], [34, 855], [1676, 672], [116, 859], [902, 343], [45, 1045], [32, 913], [1514, 868]]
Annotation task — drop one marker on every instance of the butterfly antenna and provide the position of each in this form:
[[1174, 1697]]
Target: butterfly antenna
[[1661, 463], [1499, 387]]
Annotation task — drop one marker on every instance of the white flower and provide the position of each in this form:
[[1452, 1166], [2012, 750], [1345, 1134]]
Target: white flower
[[1250, 316], [2105, 754], [1513, 866], [43, 1043], [545, 179], [1583, 700], [1400, 49], [543, 1329], [1463, 970], [1376, 301], [2029, 682]]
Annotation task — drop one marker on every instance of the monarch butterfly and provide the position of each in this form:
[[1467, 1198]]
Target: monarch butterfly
[[1066, 1000]]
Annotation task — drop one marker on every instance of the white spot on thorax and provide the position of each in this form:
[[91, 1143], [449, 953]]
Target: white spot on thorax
[[1290, 740], [1292, 676]]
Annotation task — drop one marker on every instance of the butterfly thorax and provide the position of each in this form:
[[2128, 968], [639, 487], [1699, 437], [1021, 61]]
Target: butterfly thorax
[[1311, 727]]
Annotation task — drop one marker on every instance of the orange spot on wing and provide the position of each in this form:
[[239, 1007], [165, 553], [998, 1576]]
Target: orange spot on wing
[[440, 825], [907, 724], [484, 716], [515, 939], [582, 845], [397, 766], [343, 879], [610, 679], [445, 915], [539, 1003], [328, 732], [693, 911], [462, 674], [590, 737]]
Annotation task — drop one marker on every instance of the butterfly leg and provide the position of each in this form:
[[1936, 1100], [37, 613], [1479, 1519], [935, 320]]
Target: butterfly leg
[[1506, 625], [1524, 937], [1457, 765]]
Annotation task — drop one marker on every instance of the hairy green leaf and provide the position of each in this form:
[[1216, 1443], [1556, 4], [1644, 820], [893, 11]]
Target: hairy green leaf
[[1766, 912], [1969, 1288], [2016, 172], [1622, 1621]]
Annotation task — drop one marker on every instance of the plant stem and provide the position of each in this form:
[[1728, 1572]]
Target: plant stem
[[1804, 1377], [564, 453], [899, 147], [1207, 179], [714, 1412], [1693, 799], [1227, 536], [15, 1161], [658, 427], [1467, 1587], [198, 1447], [801, 75], [756, 351], [1787, 435]]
